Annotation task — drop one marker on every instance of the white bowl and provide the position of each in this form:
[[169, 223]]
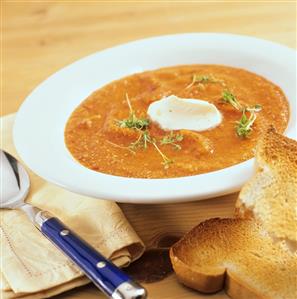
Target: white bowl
[[40, 122]]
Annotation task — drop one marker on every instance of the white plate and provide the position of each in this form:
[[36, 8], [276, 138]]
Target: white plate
[[40, 122]]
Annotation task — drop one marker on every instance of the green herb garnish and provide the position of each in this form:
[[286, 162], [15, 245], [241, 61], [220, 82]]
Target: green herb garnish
[[142, 142], [144, 139], [166, 161], [133, 122], [204, 79], [230, 98], [172, 139], [244, 125]]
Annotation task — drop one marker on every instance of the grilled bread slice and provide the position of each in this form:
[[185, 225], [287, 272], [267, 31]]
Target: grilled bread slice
[[238, 255], [271, 195]]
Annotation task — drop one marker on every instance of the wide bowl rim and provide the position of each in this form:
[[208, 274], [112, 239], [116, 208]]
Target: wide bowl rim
[[135, 190]]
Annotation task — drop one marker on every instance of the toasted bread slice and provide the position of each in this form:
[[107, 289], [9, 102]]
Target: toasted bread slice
[[271, 195], [235, 254]]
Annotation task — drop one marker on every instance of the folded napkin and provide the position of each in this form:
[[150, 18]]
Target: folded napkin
[[31, 266]]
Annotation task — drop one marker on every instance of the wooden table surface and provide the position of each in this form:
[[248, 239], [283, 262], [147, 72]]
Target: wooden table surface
[[41, 37]]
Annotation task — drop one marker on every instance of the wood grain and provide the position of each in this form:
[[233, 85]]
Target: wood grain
[[152, 222], [41, 37]]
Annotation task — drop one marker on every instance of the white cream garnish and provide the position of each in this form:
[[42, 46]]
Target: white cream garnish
[[174, 113]]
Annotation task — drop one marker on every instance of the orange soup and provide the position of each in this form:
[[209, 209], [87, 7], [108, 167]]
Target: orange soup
[[110, 131]]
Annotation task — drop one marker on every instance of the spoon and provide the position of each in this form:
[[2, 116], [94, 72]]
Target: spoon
[[105, 275]]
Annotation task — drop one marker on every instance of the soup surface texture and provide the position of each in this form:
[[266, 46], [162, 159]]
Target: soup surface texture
[[99, 136]]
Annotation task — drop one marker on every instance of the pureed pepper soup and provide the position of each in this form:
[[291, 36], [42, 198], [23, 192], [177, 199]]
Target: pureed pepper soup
[[110, 131]]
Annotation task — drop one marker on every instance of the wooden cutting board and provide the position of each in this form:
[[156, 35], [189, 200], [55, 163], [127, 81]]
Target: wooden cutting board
[[41, 37]]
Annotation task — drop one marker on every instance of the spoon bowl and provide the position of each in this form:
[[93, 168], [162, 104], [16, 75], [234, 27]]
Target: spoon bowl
[[16, 181]]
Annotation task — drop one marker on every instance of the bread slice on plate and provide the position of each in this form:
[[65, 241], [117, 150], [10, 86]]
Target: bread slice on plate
[[271, 195], [238, 255]]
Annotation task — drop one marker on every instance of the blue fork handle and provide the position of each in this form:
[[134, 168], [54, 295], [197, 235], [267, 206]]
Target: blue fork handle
[[104, 274]]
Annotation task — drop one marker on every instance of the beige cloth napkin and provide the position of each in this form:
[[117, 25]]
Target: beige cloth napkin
[[31, 266]]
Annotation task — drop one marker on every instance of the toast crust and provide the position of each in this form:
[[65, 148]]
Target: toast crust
[[205, 283], [235, 255]]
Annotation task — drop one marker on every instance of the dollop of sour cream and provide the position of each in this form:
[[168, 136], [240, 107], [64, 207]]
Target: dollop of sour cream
[[174, 113]]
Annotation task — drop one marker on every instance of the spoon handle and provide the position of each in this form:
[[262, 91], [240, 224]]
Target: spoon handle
[[104, 274]]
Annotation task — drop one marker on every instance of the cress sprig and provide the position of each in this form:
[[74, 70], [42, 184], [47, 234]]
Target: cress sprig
[[244, 125], [133, 122], [144, 138], [172, 139], [228, 97], [204, 79]]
